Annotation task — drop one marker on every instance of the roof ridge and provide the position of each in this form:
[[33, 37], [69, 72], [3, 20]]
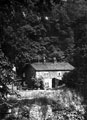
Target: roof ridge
[[52, 66]]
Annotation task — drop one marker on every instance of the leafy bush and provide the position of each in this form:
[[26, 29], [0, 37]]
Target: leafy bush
[[77, 80], [37, 83]]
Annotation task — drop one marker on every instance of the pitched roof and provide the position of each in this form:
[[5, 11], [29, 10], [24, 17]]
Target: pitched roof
[[52, 66]]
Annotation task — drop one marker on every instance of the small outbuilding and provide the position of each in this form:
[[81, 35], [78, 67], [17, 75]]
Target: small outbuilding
[[50, 73]]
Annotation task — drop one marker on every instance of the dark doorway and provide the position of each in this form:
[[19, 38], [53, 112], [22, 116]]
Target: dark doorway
[[53, 82]]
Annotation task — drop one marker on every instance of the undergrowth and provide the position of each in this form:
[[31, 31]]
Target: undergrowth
[[63, 105]]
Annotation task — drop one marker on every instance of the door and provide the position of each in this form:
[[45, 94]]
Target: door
[[53, 83]]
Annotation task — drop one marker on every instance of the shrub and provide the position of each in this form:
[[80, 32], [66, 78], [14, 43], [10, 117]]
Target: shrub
[[37, 83], [77, 79]]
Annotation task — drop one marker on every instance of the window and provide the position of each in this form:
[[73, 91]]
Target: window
[[46, 74], [59, 74]]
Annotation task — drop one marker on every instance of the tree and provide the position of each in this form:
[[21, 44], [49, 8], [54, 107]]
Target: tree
[[32, 29]]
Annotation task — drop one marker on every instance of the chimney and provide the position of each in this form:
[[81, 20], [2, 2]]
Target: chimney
[[44, 60], [55, 60]]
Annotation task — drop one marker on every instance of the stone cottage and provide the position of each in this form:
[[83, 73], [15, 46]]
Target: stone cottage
[[50, 73]]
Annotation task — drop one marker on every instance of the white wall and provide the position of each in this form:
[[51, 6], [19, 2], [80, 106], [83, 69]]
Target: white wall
[[47, 76], [50, 74]]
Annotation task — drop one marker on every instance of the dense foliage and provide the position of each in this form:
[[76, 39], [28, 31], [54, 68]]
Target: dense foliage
[[32, 29], [36, 83]]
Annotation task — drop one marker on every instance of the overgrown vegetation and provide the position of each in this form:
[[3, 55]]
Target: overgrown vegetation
[[30, 30], [62, 104], [77, 80], [37, 83]]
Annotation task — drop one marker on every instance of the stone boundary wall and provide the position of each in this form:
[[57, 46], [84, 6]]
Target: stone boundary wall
[[30, 94]]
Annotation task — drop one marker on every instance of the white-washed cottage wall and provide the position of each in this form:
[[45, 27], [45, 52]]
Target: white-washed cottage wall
[[47, 76]]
